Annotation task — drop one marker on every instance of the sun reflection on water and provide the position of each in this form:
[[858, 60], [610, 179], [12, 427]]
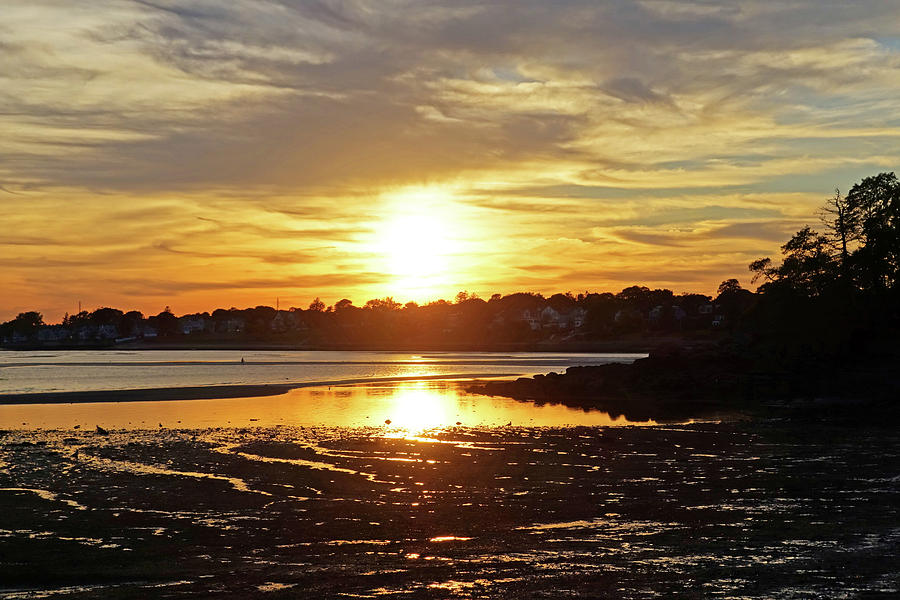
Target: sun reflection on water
[[400, 408], [417, 408]]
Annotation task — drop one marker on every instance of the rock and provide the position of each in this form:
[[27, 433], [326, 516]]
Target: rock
[[101, 431]]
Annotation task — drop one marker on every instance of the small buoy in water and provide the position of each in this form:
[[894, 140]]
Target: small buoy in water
[[387, 421]]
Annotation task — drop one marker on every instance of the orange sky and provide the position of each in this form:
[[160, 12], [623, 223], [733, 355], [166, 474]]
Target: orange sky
[[202, 155]]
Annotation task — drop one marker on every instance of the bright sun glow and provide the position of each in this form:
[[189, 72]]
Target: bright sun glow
[[416, 241], [415, 408]]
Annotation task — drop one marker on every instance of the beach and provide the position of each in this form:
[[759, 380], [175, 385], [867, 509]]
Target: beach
[[743, 510], [414, 486]]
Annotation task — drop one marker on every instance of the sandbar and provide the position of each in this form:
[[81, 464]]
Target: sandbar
[[209, 392]]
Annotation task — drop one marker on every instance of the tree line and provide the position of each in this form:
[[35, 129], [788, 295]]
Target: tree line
[[829, 290], [522, 317], [836, 291]]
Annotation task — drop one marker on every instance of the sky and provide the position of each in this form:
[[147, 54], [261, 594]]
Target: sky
[[210, 154]]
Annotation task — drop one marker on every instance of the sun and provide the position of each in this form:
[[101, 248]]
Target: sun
[[416, 246], [417, 240]]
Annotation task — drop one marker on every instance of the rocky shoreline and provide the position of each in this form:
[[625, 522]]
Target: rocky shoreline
[[675, 384]]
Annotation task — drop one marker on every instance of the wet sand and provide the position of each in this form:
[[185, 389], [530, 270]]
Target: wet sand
[[741, 510]]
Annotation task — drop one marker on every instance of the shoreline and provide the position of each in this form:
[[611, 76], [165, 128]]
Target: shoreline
[[215, 392], [625, 345], [674, 385]]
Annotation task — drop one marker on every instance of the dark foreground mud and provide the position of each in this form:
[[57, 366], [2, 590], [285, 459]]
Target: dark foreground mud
[[698, 511]]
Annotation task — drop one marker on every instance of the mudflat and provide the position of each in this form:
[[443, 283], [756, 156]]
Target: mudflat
[[762, 509]]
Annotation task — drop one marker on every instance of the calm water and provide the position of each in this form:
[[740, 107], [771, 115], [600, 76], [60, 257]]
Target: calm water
[[409, 405], [32, 372]]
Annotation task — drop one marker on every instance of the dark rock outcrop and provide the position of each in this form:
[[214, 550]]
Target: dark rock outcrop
[[674, 384]]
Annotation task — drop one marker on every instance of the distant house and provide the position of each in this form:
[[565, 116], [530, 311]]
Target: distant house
[[573, 319], [532, 317], [191, 324], [231, 325], [550, 318], [564, 320], [285, 321], [518, 311], [53, 334], [281, 322], [89, 332], [657, 312], [84, 333], [18, 338], [107, 332]]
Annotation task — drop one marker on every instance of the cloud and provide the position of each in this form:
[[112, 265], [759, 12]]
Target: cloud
[[765, 231], [630, 89], [204, 139], [317, 93]]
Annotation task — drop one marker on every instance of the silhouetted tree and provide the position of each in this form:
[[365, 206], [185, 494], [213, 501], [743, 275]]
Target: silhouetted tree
[[27, 323], [874, 206], [76, 320], [165, 323], [728, 286], [807, 267], [386, 304], [841, 225], [342, 304], [259, 320], [131, 323], [561, 303]]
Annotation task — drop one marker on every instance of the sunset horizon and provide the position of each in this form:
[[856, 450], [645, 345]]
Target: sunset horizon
[[196, 155], [418, 299]]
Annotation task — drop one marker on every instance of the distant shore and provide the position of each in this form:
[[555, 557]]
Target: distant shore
[[635, 344], [209, 392]]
